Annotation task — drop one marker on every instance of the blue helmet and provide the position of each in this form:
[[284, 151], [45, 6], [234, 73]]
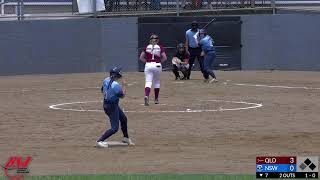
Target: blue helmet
[[203, 31], [116, 72]]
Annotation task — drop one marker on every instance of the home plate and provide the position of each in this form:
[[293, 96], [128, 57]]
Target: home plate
[[116, 143]]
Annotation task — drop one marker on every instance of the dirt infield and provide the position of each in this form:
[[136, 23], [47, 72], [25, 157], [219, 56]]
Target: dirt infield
[[197, 128]]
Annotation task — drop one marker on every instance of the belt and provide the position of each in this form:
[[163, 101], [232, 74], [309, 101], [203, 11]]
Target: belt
[[194, 47], [110, 102]]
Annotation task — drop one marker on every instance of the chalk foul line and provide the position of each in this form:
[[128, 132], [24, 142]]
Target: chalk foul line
[[276, 86]]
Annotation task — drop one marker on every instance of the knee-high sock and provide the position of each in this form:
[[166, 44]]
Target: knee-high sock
[[156, 92], [147, 91]]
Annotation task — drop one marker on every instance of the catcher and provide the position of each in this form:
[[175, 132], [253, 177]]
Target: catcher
[[180, 62]]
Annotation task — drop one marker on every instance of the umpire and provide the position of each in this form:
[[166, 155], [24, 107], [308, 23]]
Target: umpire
[[193, 48]]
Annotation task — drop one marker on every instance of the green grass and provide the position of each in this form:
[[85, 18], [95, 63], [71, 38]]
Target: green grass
[[144, 177]]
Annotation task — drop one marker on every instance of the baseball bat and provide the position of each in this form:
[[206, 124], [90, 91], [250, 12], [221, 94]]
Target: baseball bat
[[205, 26]]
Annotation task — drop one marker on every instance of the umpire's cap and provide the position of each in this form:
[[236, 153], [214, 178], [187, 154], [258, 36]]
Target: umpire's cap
[[194, 23], [116, 72]]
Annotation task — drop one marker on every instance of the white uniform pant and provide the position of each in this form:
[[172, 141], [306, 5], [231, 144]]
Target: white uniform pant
[[152, 72]]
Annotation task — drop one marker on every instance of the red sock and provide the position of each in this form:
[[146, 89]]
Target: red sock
[[147, 91], [156, 92]]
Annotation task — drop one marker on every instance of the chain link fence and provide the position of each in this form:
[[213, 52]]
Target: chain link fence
[[180, 5], [175, 6], [24, 8]]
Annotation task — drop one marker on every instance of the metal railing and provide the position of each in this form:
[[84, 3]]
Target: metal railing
[[177, 6], [180, 6], [22, 8], [44, 8]]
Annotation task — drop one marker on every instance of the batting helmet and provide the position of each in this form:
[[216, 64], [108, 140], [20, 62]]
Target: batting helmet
[[154, 36], [154, 39], [116, 72], [203, 31]]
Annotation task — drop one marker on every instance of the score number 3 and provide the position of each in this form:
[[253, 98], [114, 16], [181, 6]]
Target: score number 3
[[292, 161]]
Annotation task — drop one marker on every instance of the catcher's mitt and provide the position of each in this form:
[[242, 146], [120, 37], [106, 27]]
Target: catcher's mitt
[[176, 61]]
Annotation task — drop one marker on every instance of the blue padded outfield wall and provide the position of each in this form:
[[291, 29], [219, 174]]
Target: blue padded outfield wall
[[67, 46], [47, 47], [283, 42]]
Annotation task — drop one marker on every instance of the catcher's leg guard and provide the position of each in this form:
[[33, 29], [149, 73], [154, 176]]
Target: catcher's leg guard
[[185, 71], [175, 71]]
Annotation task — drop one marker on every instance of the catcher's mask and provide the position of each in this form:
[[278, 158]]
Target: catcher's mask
[[181, 48], [154, 39]]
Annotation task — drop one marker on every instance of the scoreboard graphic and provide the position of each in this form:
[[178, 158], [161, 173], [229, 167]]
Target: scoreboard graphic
[[287, 167]]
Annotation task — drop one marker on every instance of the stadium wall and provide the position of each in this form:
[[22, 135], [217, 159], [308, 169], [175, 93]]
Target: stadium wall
[[67, 46], [281, 42], [119, 45], [49, 47]]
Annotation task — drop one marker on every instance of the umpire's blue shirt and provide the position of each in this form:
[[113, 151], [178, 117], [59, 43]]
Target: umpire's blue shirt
[[191, 40], [113, 93]]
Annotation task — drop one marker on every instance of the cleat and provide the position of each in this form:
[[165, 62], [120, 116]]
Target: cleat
[[128, 141], [146, 101], [214, 80], [101, 144], [206, 81], [156, 101]]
